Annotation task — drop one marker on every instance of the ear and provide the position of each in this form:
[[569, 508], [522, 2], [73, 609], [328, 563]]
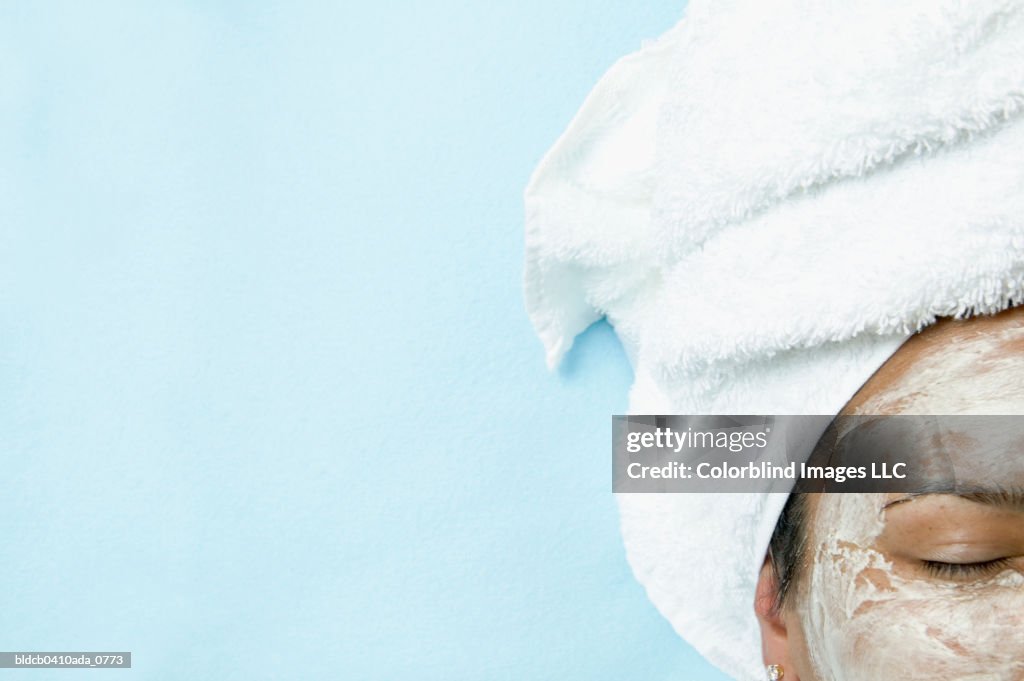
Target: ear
[[775, 641]]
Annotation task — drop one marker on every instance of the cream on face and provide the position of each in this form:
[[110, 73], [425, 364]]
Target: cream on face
[[869, 621], [974, 375], [869, 613]]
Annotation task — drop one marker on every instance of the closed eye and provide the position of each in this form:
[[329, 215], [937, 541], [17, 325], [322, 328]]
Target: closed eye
[[965, 570]]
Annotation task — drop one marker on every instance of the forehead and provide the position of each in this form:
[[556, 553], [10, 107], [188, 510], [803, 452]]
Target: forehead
[[973, 366], [936, 452]]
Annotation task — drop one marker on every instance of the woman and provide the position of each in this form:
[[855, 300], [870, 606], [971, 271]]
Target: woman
[[767, 202], [912, 586]]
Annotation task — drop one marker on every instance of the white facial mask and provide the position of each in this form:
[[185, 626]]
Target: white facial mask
[[976, 375], [865, 623]]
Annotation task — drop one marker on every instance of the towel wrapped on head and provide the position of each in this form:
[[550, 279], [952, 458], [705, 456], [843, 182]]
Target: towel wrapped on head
[[766, 202]]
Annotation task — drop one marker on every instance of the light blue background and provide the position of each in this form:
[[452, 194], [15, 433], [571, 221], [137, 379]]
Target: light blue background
[[270, 407]]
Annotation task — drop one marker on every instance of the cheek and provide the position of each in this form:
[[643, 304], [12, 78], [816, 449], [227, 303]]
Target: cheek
[[868, 625]]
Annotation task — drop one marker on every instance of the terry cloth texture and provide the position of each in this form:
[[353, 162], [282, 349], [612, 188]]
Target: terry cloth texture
[[765, 202]]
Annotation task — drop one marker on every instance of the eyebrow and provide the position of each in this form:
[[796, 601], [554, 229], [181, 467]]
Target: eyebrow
[[1011, 498]]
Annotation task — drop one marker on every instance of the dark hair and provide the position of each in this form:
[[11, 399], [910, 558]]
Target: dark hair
[[787, 546]]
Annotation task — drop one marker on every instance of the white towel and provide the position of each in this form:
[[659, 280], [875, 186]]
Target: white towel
[[766, 202]]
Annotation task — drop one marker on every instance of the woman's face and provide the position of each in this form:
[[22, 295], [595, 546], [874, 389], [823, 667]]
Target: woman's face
[[927, 586]]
